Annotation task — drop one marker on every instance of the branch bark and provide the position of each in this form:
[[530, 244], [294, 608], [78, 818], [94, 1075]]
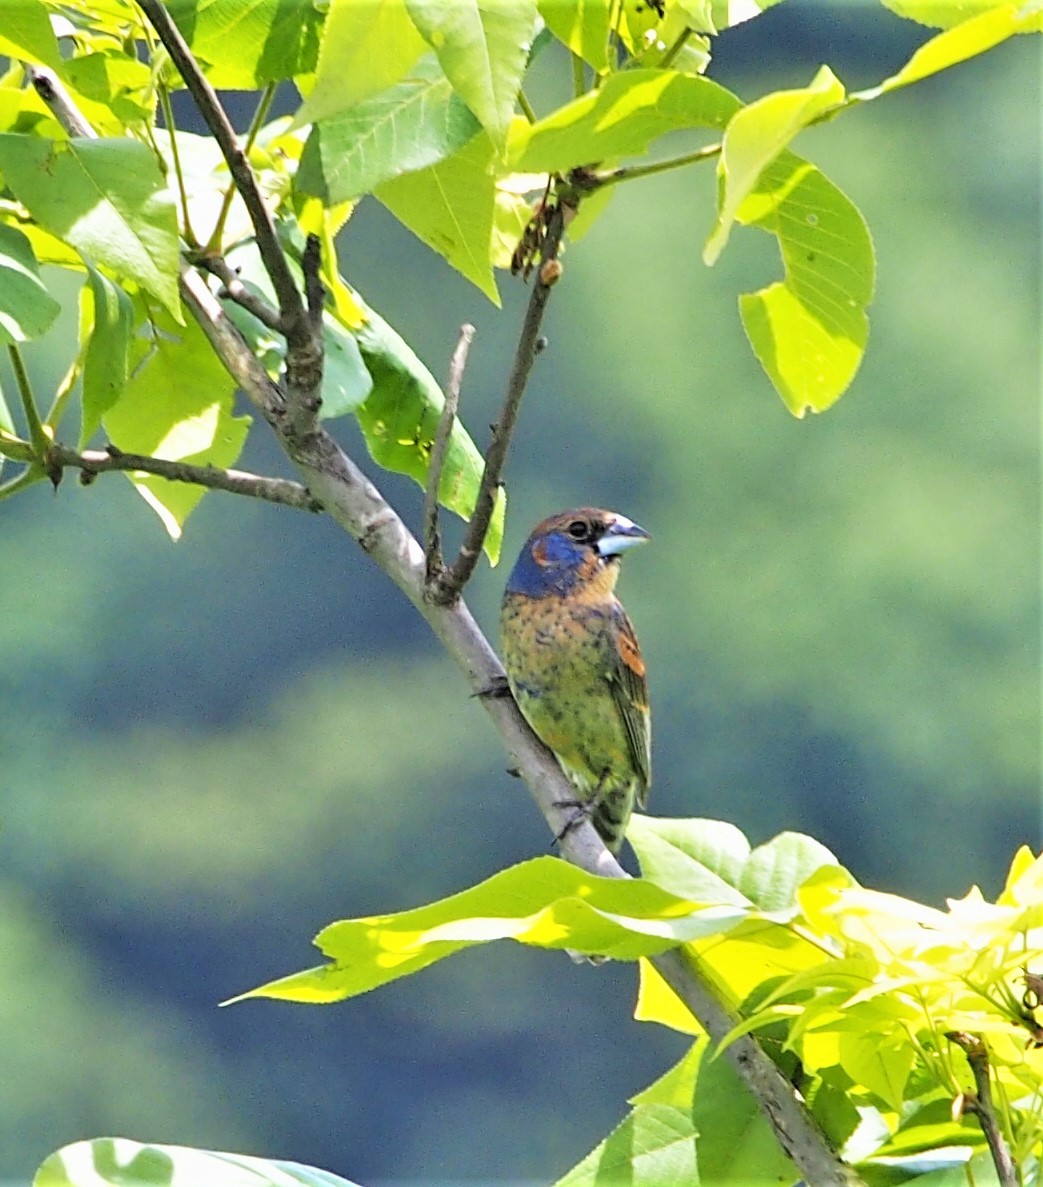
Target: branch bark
[[349, 497], [980, 1104], [446, 589], [92, 462], [432, 536]]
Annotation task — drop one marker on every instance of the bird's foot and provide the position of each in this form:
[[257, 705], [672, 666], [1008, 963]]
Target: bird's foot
[[582, 811], [497, 687]]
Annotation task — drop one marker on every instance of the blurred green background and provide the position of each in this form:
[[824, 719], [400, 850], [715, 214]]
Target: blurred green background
[[210, 750]]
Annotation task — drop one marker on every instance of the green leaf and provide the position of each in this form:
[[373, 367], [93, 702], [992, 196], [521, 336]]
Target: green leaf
[[399, 419], [620, 119], [119, 1162], [177, 406], [6, 422], [450, 206], [243, 44], [107, 198], [697, 1124], [27, 309], [809, 332], [582, 25], [702, 860], [653, 1146], [961, 42], [727, 13], [365, 49], [112, 90], [26, 33], [414, 124], [735, 1144], [777, 869], [942, 14], [105, 364], [483, 47], [756, 136], [544, 902]]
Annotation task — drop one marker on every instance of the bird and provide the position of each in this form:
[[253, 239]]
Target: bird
[[573, 663]]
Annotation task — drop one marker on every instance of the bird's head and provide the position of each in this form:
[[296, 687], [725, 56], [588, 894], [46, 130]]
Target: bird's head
[[574, 548]]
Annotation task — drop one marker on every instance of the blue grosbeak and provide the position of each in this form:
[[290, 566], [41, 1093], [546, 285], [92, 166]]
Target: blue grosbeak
[[573, 663]]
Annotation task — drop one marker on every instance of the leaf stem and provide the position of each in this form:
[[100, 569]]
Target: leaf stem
[[28, 477], [630, 172], [579, 78], [37, 433], [527, 109], [447, 589], [671, 54], [256, 123], [168, 119]]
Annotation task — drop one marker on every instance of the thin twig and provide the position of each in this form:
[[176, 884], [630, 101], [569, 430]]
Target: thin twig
[[92, 462], [267, 95], [234, 289], [432, 537], [980, 1104], [56, 97], [37, 436], [596, 181], [456, 576]]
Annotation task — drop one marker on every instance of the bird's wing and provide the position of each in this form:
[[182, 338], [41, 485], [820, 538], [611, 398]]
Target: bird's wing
[[630, 691]]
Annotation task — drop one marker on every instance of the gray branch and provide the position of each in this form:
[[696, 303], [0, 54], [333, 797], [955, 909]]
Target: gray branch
[[92, 462]]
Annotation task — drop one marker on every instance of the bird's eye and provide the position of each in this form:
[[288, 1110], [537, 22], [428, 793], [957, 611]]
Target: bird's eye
[[579, 529]]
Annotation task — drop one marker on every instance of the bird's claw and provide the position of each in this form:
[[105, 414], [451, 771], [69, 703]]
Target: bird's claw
[[497, 687]]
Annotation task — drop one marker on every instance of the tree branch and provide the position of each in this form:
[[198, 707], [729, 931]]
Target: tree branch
[[449, 584], [92, 462], [304, 347], [234, 289], [432, 538], [980, 1104], [357, 506]]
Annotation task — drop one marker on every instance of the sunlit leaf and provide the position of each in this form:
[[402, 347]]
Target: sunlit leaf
[[483, 48], [961, 42], [726, 13], [544, 902], [943, 14], [756, 136], [117, 1162], [27, 309], [177, 405], [416, 123], [450, 206], [365, 49], [107, 198], [809, 331], [620, 119], [105, 364], [243, 44], [26, 34], [654, 1145], [582, 25]]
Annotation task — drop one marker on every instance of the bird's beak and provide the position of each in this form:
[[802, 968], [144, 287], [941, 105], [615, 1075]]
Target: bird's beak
[[621, 535]]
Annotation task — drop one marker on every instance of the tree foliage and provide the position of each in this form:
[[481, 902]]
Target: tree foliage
[[910, 1035]]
